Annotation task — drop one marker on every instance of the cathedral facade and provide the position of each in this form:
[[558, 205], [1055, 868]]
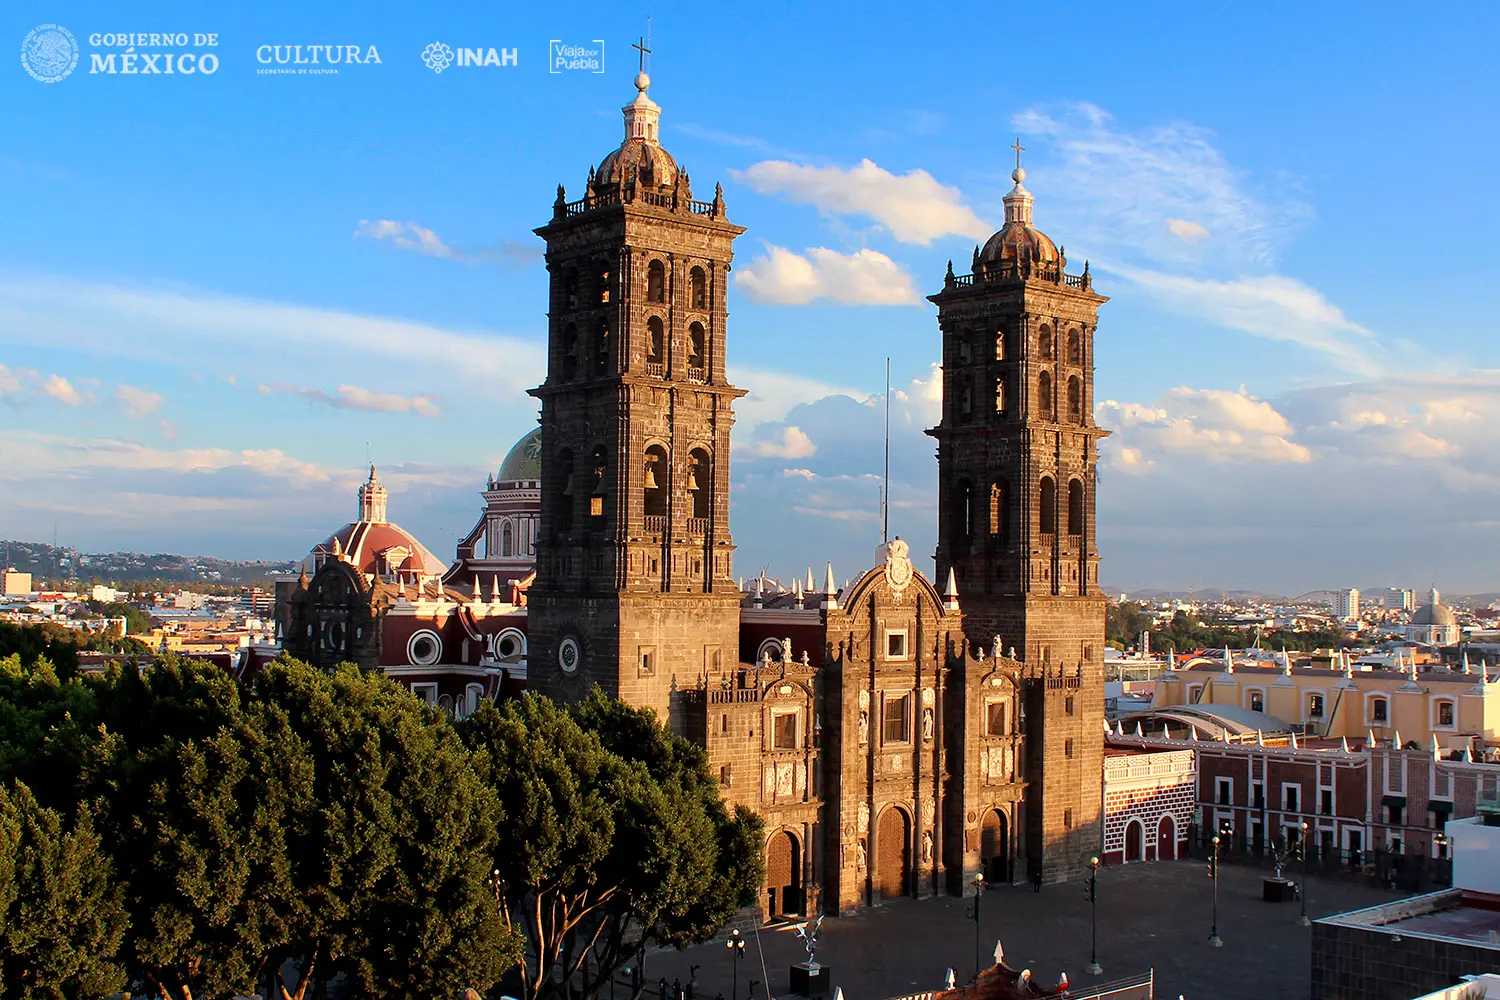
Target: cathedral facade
[[901, 736], [898, 740]]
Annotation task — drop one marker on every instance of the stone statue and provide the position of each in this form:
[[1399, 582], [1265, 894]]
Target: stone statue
[[927, 847], [860, 858], [927, 724], [864, 727]]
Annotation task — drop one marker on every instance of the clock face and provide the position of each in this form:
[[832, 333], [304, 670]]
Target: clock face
[[569, 655]]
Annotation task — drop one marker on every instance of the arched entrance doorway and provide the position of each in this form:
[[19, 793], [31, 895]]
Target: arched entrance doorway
[[1135, 836], [893, 853], [783, 875], [1166, 839], [994, 848]]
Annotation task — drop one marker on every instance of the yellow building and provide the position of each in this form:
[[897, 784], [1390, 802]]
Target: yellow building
[[1450, 706]]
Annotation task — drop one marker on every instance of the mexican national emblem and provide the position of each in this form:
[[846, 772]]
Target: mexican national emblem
[[897, 565], [49, 53]]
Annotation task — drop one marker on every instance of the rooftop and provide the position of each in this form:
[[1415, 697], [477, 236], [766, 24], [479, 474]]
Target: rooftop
[[1449, 915]]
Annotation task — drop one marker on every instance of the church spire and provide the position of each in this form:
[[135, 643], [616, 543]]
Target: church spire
[[1018, 201], [642, 115], [372, 499]]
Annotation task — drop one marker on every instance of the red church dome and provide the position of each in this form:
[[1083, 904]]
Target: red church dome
[[374, 545]]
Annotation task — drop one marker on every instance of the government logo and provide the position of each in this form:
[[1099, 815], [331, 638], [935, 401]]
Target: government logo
[[439, 56], [49, 53]]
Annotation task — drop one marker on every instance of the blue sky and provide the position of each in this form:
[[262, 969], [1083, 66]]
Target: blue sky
[[217, 288]]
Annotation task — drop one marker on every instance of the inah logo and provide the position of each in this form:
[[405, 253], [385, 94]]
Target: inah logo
[[49, 52], [437, 56]]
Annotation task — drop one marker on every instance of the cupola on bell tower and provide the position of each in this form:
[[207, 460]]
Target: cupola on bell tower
[[634, 589], [1017, 460]]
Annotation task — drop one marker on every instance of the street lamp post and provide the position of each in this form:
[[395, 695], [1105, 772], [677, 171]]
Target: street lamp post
[[1094, 969], [978, 895], [1213, 872], [1303, 893], [736, 946]]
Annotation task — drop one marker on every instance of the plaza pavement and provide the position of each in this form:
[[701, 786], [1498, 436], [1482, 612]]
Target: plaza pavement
[[1150, 915]]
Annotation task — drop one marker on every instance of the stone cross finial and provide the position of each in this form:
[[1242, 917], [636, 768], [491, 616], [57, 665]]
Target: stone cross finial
[[1019, 150], [641, 48]]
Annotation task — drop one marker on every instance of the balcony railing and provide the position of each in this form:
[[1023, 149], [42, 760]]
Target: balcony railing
[[697, 525], [656, 369], [656, 523], [697, 374], [609, 196], [1011, 271]]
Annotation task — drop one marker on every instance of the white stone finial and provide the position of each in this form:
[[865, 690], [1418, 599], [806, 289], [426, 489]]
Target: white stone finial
[[999, 952], [1019, 174], [949, 981]]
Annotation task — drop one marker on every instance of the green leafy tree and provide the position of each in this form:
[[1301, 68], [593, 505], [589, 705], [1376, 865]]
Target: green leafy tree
[[389, 838], [616, 839], [61, 916], [194, 819]]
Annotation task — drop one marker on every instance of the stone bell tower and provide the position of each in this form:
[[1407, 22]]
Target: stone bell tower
[[1017, 457], [634, 589]]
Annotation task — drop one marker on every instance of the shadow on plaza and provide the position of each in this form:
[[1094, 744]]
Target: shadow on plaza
[[1150, 916]]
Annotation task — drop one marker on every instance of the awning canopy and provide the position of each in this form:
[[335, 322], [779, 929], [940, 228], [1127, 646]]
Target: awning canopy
[[1439, 806], [1393, 800]]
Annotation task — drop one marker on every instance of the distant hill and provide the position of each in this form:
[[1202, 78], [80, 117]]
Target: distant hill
[[1203, 594], [49, 562]]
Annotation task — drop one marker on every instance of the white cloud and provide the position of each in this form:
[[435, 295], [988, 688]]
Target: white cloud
[[1210, 425], [1114, 191], [914, 207], [1272, 307], [1188, 232], [792, 442], [406, 235], [176, 327], [865, 277], [353, 397], [30, 455], [411, 236], [10, 382], [63, 391], [774, 393], [135, 402]]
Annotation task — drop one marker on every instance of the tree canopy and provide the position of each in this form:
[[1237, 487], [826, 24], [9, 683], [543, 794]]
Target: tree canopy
[[616, 838], [179, 829]]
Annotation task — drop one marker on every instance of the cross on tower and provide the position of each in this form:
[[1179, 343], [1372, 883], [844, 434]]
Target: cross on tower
[[1019, 150], [640, 46]]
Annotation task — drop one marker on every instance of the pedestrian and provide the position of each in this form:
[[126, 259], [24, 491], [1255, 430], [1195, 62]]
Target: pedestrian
[[1036, 879]]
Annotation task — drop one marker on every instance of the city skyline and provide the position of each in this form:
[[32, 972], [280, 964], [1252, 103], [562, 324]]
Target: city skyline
[[201, 335]]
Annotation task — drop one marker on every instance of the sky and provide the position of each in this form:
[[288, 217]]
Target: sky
[[222, 292]]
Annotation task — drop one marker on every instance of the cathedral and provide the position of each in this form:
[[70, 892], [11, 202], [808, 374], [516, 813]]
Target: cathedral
[[901, 736]]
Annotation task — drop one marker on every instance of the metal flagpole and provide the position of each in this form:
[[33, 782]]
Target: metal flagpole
[[885, 489]]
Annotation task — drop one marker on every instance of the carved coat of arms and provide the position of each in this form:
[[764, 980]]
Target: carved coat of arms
[[898, 570]]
